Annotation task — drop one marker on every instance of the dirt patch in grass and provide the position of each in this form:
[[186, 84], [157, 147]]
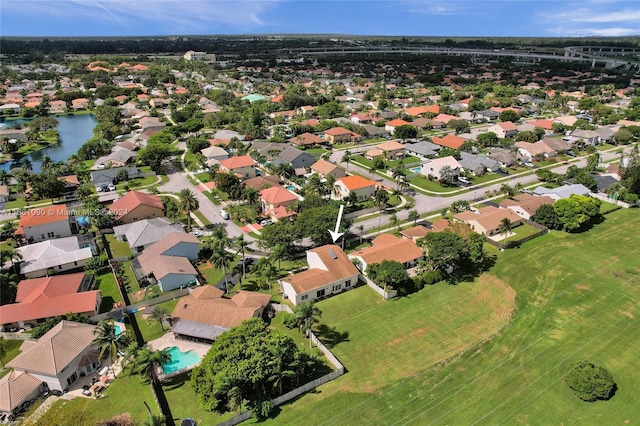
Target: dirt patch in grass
[[627, 314], [581, 287]]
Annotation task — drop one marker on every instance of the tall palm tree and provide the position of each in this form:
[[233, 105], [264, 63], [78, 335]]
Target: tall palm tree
[[505, 227], [220, 237], [188, 203], [146, 360], [507, 190], [108, 339], [268, 273], [414, 216], [25, 164], [159, 314], [10, 254], [5, 177], [277, 253], [279, 364], [307, 314], [360, 231], [393, 221], [221, 259], [346, 158], [241, 245]]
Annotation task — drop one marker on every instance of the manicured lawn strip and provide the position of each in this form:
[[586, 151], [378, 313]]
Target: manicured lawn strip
[[131, 278], [212, 275], [118, 248], [608, 207], [521, 232], [204, 177], [190, 160], [19, 203], [137, 182], [11, 350], [202, 218], [106, 283], [126, 394], [576, 300], [382, 344], [149, 328], [316, 152], [430, 185]]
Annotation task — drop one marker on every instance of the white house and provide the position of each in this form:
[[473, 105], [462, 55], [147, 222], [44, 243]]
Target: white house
[[58, 255], [504, 130], [434, 166], [363, 188], [169, 260], [61, 356], [45, 223], [330, 272]]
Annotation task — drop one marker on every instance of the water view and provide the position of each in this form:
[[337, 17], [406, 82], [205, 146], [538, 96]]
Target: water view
[[74, 130]]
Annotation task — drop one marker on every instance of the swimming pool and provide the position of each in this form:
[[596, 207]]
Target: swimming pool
[[119, 330], [291, 188], [416, 169], [180, 360]]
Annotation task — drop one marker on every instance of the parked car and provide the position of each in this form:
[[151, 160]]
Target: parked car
[[111, 187], [188, 422], [224, 214], [463, 179], [246, 260], [571, 153]]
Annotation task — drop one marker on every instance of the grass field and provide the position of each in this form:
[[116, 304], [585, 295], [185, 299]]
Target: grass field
[[576, 300]]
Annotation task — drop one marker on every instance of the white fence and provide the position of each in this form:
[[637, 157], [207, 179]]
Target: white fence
[[385, 294], [605, 198]]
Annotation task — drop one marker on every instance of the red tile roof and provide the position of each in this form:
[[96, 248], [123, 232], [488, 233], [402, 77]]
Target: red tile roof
[[397, 122], [133, 199], [237, 162], [508, 126], [450, 141], [545, 124], [356, 182], [337, 131], [277, 195], [42, 215]]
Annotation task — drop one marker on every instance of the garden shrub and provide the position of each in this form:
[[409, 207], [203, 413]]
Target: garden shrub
[[590, 382]]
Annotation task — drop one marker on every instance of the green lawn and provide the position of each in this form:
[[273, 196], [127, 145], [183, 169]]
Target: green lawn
[[11, 349], [118, 248], [607, 207], [431, 185], [106, 283], [190, 160], [202, 218], [521, 232], [576, 300], [150, 329], [137, 182], [204, 177], [126, 394]]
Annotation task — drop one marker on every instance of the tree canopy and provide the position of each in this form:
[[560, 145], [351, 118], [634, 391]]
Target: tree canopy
[[575, 211], [590, 382]]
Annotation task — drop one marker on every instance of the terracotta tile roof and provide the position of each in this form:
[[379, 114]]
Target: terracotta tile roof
[[307, 139], [356, 182], [281, 212], [262, 182], [56, 349], [49, 297], [450, 141], [207, 306], [338, 267], [488, 217], [277, 195], [397, 122], [15, 388], [545, 124], [446, 118], [237, 162], [43, 215], [390, 146], [535, 148], [337, 131], [133, 199], [528, 202], [214, 142], [415, 111], [389, 247], [417, 231], [508, 126]]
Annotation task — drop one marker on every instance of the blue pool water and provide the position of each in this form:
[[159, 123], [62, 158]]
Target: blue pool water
[[291, 188], [119, 330], [416, 169], [180, 360]]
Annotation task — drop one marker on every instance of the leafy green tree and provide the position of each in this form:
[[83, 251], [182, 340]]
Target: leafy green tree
[[590, 382], [630, 173], [443, 249], [460, 126], [154, 155], [509, 115], [575, 211], [446, 175], [390, 273], [546, 216], [406, 131], [314, 223], [47, 185], [488, 139], [622, 137]]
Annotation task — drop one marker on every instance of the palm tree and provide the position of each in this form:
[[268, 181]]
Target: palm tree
[[221, 259], [158, 314], [414, 216], [277, 253], [346, 158], [518, 187], [188, 203], [10, 254], [505, 227], [25, 164], [279, 363], [5, 177], [270, 274], [507, 190], [306, 315], [361, 230], [393, 221], [146, 360], [108, 339], [241, 245], [381, 198]]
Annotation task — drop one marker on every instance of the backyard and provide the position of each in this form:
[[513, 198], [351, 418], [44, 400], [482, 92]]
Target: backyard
[[398, 352]]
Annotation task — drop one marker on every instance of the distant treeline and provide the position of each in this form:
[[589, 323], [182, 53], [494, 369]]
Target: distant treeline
[[255, 45]]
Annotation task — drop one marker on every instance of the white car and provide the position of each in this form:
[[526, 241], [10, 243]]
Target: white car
[[112, 187], [463, 179], [224, 215]]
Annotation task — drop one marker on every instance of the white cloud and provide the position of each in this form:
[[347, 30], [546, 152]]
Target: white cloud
[[601, 18], [431, 8], [595, 16], [605, 32], [182, 16]]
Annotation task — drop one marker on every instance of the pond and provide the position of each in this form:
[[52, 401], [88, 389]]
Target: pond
[[74, 130]]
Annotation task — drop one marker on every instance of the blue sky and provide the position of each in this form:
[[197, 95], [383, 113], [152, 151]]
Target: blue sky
[[366, 17]]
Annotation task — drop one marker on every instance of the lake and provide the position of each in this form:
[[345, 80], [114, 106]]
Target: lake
[[74, 130]]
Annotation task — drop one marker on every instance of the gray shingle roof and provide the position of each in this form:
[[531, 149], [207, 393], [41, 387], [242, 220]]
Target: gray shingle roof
[[148, 231], [474, 162], [423, 148]]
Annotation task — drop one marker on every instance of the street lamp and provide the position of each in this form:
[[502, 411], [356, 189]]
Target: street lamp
[[379, 219]]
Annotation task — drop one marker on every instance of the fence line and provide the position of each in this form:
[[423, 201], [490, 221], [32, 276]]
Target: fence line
[[17, 336], [145, 303], [510, 244], [612, 201], [385, 294]]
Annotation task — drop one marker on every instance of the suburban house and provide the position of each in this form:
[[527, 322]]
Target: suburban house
[[61, 356], [4, 193], [390, 126], [205, 314], [525, 205], [108, 176], [590, 137], [339, 134], [53, 256], [136, 205], [445, 118], [325, 168], [57, 107], [307, 139], [605, 134], [567, 120], [151, 123], [363, 188], [45, 223], [262, 182], [558, 145], [415, 232], [40, 299], [275, 200], [503, 130], [433, 167], [424, 150], [419, 110], [243, 166], [215, 154], [330, 271], [169, 260], [118, 158], [143, 233], [296, 158], [449, 141], [389, 247], [487, 220], [16, 388], [537, 150], [477, 165], [14, 134], [545, 124], [564, 191], [504, 157], [488, 115], [390, 150]]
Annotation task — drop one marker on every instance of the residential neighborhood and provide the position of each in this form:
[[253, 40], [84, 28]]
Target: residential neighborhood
[[366, 221]]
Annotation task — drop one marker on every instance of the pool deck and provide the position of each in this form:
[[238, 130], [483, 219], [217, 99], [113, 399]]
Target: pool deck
[[169, 340]]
